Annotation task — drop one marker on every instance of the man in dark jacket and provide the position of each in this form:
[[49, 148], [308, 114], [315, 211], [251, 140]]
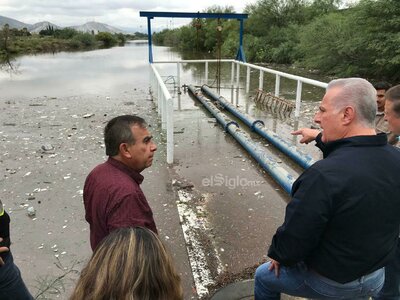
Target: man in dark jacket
[[391, 288], [342, 225]]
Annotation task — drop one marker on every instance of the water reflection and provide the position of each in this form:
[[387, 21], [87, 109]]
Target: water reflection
[[77, 73], [9, 65], [116, 70]]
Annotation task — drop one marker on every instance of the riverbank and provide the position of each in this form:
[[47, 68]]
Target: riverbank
[[14, 44]]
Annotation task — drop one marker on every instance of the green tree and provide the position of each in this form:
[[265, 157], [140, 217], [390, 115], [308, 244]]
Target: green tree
[[85, 39], [380, 24], [65, 33], [107, 39], [49, 30]]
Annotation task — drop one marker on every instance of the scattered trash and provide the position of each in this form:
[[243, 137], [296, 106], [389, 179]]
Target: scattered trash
[[47, 148], [31, 211], [86, 116]]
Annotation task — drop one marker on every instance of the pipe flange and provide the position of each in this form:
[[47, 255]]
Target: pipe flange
[[253, 126], [229, 124]]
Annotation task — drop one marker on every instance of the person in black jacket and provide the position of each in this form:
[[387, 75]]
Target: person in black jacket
[[341, 226], [12, 287], [391, 288]]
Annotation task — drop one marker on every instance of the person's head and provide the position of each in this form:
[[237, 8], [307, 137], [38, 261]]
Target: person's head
[[129, 264], [381, 88], [127, 139], [348, 108], [392, 109]]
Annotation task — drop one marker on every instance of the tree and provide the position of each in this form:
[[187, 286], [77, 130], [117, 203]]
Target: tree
[[48, 31], [107, 39]]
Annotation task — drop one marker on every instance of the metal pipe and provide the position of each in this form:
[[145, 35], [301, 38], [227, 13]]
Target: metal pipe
[[283, 177], [304, 160]]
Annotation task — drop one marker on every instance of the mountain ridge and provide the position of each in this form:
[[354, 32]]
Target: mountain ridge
[[92, 26]]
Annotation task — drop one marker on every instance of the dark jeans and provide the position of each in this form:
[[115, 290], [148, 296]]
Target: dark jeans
[[391, 288], [12, 286]]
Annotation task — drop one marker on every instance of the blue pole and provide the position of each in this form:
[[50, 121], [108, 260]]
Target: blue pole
[[149, 39], [240, 55]]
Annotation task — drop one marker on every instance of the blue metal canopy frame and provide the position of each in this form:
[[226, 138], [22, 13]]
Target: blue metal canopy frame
[[152, 14]]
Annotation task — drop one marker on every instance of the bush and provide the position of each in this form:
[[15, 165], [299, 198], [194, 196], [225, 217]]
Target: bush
[[107, 39], [65, 33], [86, 40]]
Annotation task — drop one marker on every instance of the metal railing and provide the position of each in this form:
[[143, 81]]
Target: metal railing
[[165, 109], [165, 106], [278, 74]]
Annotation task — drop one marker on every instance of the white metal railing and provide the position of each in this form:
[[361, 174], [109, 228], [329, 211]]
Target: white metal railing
[[278, 74], [165, 109], [165, 106]]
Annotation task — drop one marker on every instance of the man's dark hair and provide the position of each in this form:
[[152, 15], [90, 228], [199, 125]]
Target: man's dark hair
[[118, 131], [393, 95], [383, 85]]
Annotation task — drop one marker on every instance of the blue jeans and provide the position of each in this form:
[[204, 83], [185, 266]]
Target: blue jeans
[[391, 288], [302, 282], [12, 286]]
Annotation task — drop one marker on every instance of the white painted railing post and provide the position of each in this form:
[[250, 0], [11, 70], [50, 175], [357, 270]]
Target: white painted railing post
[[206, 72], [237, 75], [261, 80], [277, 85], [232, 72], [248, 80], [170, 131], [163, 112], [298, 98], [178, 75], [158, 98]]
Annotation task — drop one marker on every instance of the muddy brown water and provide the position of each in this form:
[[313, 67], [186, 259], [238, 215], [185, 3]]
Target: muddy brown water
[[53, 109]]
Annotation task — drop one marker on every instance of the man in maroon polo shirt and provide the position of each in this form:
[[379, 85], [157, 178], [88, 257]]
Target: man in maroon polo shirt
[[112, 195]]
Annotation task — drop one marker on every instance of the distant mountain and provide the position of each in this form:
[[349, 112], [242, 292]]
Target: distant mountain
[[96, 27], [12, 23], [37, 27]]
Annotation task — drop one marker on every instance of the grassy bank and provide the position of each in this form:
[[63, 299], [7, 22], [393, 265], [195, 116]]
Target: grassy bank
[[14, 42]]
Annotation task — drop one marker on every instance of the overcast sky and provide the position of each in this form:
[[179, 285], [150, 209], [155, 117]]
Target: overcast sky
[[119, 13]]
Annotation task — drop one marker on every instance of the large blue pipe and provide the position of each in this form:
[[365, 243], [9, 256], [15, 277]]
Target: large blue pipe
[[283, 177], [304, 160]]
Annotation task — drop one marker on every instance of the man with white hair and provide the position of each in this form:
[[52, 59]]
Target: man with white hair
[[341, 226], [391, 288]]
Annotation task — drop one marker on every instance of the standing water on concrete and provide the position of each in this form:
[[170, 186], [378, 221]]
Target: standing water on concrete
[[53, 110]]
